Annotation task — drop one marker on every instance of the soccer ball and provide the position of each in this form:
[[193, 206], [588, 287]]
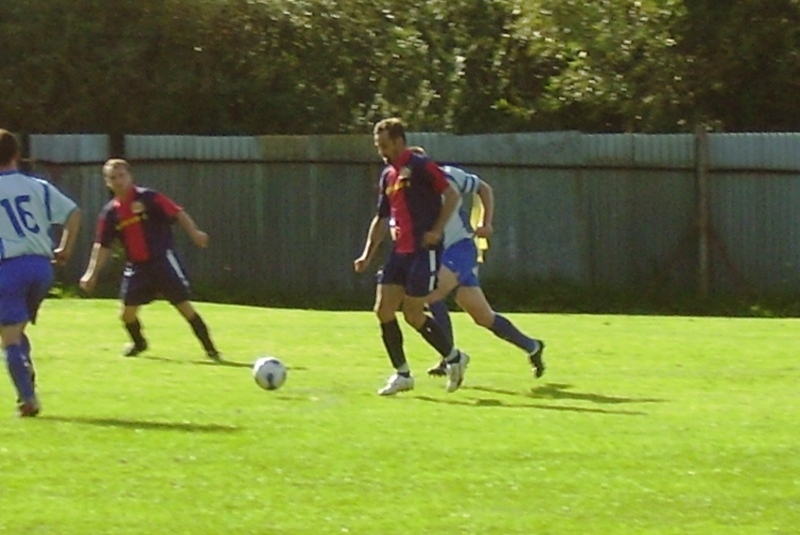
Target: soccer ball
[[269, 373]]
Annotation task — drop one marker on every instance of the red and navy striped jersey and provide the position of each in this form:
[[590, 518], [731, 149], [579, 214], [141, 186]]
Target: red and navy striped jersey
[[410, 194], [141, 222]]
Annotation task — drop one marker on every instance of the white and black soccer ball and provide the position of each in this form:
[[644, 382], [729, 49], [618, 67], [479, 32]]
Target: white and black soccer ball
[[269, 373]]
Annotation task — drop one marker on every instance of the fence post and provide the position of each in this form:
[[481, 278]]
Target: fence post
[[702, 208]]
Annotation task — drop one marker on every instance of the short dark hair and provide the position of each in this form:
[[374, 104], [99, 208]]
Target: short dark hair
[[9, 147], [114, 163], [393, 125]]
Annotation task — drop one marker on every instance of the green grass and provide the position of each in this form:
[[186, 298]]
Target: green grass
[[646, 425]]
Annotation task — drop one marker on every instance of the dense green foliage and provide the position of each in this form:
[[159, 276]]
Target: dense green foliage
[[326, 66]]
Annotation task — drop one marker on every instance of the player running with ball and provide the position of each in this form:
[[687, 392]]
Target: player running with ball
[[415, 200]]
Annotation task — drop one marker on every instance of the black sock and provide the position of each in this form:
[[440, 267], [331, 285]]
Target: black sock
[[135, 330], [393, 340], [432, 332], [201, 332]]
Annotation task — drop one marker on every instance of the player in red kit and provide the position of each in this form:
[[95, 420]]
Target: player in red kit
[[141, 219], [415, 201]]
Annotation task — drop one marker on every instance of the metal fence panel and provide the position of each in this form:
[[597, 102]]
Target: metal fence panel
[[69, 148], [756, 225], [756, 151], [287, 214]]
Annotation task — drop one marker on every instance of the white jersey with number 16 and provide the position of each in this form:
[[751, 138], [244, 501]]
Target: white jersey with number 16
[[28, 208]]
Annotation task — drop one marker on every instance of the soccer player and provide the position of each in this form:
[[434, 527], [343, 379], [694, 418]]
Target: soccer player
[[141, 219], [28, 208], [414, 202], [459, 271]]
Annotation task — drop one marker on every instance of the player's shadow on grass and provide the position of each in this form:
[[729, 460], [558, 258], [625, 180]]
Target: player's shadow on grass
[[484, 402], [209, 362], [562, 391], [224, 363], [186, 427], [206, 362], [232, 364]]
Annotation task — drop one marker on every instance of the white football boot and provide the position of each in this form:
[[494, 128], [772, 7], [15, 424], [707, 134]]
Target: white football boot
[[456, 371], [397, 383]]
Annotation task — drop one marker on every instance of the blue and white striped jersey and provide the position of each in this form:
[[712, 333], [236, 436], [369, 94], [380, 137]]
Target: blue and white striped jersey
[[457, 227], [28, 208]]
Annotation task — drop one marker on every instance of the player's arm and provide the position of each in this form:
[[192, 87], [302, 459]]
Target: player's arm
[[484, 228], [175, 211], [198, 237], [105, 235], [62, 210], [98, 258], [378, 228], [450, 199], [66, 246]]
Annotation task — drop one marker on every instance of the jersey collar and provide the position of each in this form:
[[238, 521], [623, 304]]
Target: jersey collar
[[129, 197]]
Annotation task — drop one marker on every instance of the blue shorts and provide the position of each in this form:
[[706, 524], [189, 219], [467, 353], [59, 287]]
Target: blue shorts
[[415, 272], [462, 259], [24, 283], [142, 282]]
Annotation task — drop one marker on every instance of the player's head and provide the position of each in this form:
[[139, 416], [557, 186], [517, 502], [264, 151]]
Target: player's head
[[9, 149], [390, 138], [116, 173]]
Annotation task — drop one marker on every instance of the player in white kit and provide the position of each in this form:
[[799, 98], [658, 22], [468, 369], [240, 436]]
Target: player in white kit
[[28, 208], [459, 271]]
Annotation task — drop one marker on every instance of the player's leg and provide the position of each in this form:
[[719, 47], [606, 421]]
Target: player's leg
[[199, 328], [421, 282], [129, 315], [389, 294], [388, 298], [37, 292], [459, 267], [28, 349], [24, 282], [474, 302], [136, 290], [173, 283], [19, 369], [447, 282]]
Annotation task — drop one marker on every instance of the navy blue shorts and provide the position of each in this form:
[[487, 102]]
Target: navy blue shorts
[[142, 282], [24, 283], [462, 259], [415, 272]]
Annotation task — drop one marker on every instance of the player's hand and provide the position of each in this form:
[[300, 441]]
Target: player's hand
[[484, 231], [360, 264], [87, 283], [200, 239], [431, 238]]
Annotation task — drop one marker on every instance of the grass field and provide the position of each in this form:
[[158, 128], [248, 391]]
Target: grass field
[[651, 425]]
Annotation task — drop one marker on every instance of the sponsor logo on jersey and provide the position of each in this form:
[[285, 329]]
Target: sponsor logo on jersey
[[128, 221]]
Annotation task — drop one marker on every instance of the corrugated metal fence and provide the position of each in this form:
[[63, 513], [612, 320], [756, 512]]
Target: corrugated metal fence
[[288, 214]]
